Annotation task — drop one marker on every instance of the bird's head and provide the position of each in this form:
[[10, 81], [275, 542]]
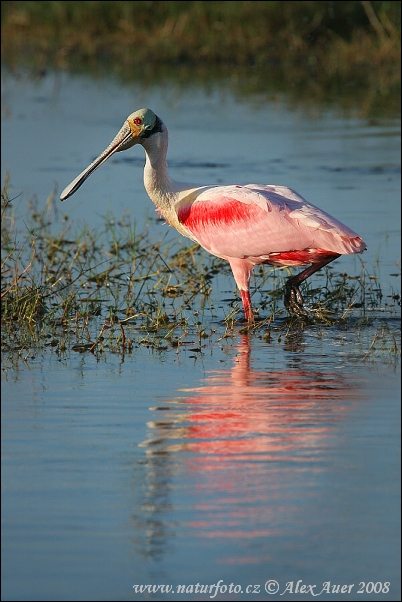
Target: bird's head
[[143, 124], [138, 127]]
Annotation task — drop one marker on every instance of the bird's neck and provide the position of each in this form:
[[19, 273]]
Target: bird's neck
[[164, 192], [158, 184], [161, 189]]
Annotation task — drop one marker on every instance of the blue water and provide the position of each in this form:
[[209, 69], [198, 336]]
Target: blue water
[[253, 462], [250, 461]]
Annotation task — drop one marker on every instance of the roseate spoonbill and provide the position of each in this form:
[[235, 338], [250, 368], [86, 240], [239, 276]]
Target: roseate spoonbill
[[246, 225]]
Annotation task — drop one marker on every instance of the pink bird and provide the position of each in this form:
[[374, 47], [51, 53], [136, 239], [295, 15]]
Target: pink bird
[[246, 225]]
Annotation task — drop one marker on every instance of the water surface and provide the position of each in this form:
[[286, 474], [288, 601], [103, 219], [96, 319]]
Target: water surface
[[249, 460]]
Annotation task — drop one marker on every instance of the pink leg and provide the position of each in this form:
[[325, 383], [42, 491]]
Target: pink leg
[[248, 310], [242, 269]]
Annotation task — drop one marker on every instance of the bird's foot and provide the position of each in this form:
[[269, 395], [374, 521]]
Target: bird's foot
[[294, 301]]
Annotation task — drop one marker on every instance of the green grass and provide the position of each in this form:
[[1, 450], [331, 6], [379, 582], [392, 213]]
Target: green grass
[[309, 51], [118, 288]]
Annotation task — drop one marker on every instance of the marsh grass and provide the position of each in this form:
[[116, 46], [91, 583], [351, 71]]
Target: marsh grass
[[116, 289], [310, 51]]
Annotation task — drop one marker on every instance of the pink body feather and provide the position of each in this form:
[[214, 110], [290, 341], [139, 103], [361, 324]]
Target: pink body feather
[[252, 224]]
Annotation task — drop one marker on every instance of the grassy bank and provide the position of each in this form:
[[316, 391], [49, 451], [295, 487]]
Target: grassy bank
[[310, 50], [115, 289]]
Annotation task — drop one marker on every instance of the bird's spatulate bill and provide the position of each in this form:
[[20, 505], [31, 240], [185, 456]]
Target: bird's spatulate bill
[[121, 141]]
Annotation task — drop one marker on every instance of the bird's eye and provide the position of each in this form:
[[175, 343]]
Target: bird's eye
[[137, 121]]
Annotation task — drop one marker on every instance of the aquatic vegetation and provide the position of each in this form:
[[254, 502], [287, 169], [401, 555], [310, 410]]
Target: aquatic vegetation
[[116, 289]]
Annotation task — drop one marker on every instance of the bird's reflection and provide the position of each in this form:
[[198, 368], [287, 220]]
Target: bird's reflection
[[244, 449], [278, 414]]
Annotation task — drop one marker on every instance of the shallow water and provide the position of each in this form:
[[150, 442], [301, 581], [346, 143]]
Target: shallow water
[[247, 461]]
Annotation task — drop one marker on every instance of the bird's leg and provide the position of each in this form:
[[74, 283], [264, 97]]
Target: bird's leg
[[293, 299], [293, 296], [248, 310]]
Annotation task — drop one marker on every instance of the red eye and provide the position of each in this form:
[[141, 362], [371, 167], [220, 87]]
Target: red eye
[[137, 121]]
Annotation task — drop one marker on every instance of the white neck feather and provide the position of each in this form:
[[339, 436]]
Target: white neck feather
[[164, 192], [160, 188]]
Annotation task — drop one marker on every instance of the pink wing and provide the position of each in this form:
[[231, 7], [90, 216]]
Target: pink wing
[[255, 220]]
